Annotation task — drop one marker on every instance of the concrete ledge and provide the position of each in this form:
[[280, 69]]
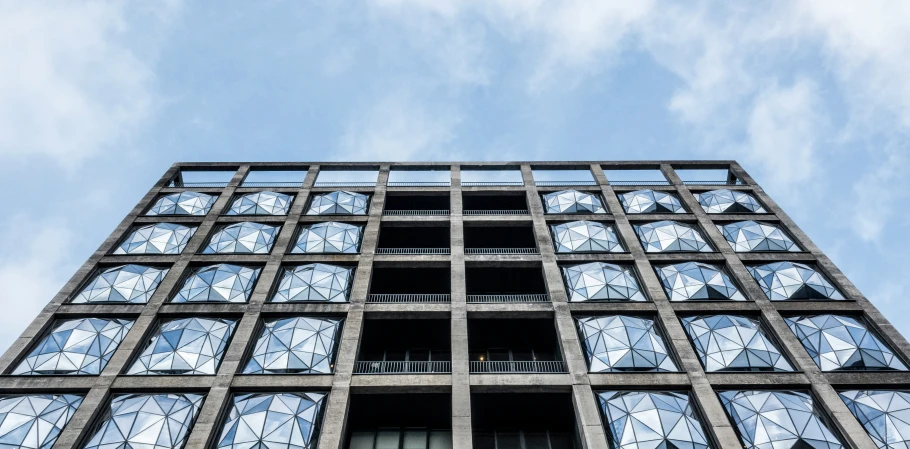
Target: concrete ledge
[[529, 382], [256, 382], [49, 384], [389, 383], [604, 381], [765, 380]]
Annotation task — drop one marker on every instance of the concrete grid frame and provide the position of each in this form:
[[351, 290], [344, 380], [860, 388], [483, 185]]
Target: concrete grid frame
[[577, 381]]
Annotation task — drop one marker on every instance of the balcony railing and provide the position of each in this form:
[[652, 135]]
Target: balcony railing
[[518, 367], [403, 298], [712, 183], [564, 183], [272, 184], [488, 299], [487, 251], [415, 212], [414, 251], [419, 184], [492, 183], [402, 367], [344, 184], [639, 183], [495, 212], [197, 184]]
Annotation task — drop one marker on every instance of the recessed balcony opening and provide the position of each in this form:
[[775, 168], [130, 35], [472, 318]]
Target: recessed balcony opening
[[428, 238], [407, 177], [494, 204], [202, 178], [414, 204], [545, 177], [347, 178], [505, 284], [500, 240], [514, 346], [274, 178], [707, 177], [411, 346], [491, 176], [636, 177], [408, 284], [523, 421], [400, 421]]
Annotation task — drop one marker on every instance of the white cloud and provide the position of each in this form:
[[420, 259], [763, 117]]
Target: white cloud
[[878, 193]]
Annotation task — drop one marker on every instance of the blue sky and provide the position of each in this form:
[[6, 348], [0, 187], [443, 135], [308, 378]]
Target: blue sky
[[97, 100]]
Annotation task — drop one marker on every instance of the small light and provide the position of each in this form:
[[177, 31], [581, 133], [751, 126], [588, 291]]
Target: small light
[[481, 358]]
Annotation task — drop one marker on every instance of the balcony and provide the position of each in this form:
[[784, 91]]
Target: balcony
[[412, 420], [274, 178], [636, 177], [709, 177], [347, 178], [429, 284], [406, 239], [416, 205], [389, 367], [572, 177], [498, 204], [518, 367], [405, 346], [409, 177], [514, 346], [488, 284], [404, 298], [523, 421], [493, 240], [201, 179], [491, 176]]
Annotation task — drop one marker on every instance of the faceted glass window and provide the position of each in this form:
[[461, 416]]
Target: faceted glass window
[[734, 343], [601, 281], [671, 236], [651, 202], [884, 414], [791, 280], [339, 203], [183, 203], [273, 420], [585, 237], [298, 345], [651, 419], [330, 237], [839, 343], [572, 202], [185, 346], [261, 203], [624, 343], [748, 236], [125, 283], [246, 237], [158, 238], [725, 201], [221, 282], [80, 346], [149, 421], [778, 419], [314, 282], [35, 421], [695, 281]]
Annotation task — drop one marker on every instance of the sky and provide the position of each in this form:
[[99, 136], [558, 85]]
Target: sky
[[98, 99]]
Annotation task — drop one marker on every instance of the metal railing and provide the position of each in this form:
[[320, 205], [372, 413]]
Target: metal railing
[[413, 251], [639, 183], [419, 184], [272, 184], [492, 183], [487, 299], [495, 212], [403, 298], [564, 183], [344, 184], [415, 212], [402, 367], [501, 251], [197, 184], [712, 183], [518, 367]]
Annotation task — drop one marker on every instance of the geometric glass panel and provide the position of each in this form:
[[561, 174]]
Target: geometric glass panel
[[330, 237], [245, 237], [79, 346], [651, 202], [726, 201], [261, 203], [695, 281], [273, 421], [572, 202], [747, 236], [624, 343], [884, 414], [183, 203], [298, 345], [125, 283], [585, 237], [146, 421], [671, 236], [340, 202], [185, 346], [218, 283], [734, 343], [651, 420], [314, 282], [778, 420], [601, 281], [839, 343], [791, 280], [34, 421], [158, 238]]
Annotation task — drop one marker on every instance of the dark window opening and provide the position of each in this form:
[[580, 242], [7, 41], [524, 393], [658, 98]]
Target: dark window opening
[[533, 421], [399, 237], [400, 280], [499, 237], [414, 340], [416, 202], [400, 421], [504, 281], [494, 202], [512, 340]]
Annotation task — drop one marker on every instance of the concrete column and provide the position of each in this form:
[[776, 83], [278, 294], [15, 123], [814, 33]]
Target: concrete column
[[462, 436]]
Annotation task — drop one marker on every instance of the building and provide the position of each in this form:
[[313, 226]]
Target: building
[[517, 305]]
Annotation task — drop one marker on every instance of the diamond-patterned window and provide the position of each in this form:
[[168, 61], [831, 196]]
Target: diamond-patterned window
[[261, 203], [146, 421], [218, 283], [585, 237], [751, 236], [884, 414], [651, 419], [273, 420], [651, 202], [298, 345], [158, 238], [243, 238], [339, 203], [79, 346], [314, 282], [671, 236], [34, 421], [843, 343], [696, 281], [783, 281], [778, 419], [125, 283], [624, 343], [572, 202], [734, 343], [726, 201], [183, 203], [602, 281], [185, 346], [329, 237]]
